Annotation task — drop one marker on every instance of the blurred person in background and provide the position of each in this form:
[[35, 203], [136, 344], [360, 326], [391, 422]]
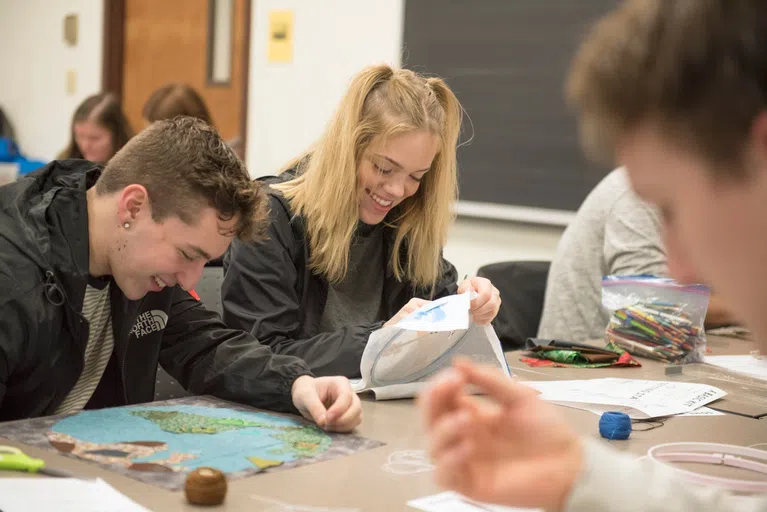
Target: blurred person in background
[[99, 129], [173, 100], [178, 99]]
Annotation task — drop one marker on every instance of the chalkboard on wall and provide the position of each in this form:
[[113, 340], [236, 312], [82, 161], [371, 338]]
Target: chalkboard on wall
[[507, 60]]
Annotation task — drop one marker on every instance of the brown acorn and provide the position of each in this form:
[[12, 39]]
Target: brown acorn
[[205, 486]]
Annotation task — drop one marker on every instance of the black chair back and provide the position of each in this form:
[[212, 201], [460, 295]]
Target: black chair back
[[522, 285]]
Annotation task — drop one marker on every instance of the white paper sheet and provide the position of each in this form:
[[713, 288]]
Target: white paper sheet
[[397, 391], [703, 411], [449, 313], [746, 365], [63, 495], [454, 502], [601, 409], [637, 398], [399, 360]]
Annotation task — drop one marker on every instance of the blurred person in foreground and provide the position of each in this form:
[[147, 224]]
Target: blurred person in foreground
[[677, 93]]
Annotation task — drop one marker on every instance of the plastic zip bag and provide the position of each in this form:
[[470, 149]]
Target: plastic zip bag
[[656, 317]]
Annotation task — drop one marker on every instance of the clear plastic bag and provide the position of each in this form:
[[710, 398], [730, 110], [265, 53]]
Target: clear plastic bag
[[656, 317]]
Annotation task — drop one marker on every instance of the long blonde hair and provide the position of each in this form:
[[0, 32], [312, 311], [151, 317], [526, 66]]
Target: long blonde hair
[[380, 102]]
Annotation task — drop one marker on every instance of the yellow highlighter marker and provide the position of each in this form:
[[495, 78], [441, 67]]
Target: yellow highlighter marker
[[13, 459]]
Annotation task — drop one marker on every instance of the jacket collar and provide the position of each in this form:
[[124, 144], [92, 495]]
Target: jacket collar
[[58, 221]]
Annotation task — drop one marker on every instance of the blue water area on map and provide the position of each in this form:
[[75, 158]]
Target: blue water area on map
[[227, 450]]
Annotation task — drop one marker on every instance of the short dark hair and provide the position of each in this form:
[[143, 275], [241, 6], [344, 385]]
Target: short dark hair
[[105, 110], [185, 165], [696, 69]]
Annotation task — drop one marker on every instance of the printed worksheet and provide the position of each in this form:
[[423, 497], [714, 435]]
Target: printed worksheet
[[637, 398]]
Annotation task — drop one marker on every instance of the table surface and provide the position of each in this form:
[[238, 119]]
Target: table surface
[[362, 482], [743, 396]]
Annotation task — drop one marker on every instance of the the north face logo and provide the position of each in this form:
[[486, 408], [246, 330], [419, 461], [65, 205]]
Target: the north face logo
[[149, 322]]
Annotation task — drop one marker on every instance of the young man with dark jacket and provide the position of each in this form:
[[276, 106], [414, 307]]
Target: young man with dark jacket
[[97, 269]]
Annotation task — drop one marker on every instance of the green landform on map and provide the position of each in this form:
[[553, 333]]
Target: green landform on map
[[301, 440], [177, 422], [158, 444]]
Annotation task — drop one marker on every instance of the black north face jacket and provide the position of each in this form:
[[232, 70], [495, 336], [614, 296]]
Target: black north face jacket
[[44, 255]]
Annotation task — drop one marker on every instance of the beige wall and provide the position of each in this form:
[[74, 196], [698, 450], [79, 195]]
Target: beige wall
[[35, 62], [288, 103], [474, 242]]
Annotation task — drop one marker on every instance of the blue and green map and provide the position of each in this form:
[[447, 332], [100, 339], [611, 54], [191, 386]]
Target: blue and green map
[[159, 443]]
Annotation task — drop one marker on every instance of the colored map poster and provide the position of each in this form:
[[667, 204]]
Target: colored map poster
[[159, 443]]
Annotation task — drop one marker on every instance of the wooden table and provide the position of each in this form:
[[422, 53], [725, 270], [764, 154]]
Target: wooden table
[[361, 482]]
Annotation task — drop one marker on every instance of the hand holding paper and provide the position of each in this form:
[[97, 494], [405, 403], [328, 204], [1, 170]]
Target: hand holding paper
[[445, 314], [406, 310], [399, 358], [486, 299]]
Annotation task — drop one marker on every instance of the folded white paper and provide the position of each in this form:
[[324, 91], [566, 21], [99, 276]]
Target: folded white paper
[[399, 359], [449, 313], [637, 398]]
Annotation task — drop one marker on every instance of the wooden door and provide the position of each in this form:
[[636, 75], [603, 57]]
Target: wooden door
[[169, 41]]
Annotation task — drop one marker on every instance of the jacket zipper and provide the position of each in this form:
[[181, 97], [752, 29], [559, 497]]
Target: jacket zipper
[[124, 357], [52, 286], [122, 376]]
